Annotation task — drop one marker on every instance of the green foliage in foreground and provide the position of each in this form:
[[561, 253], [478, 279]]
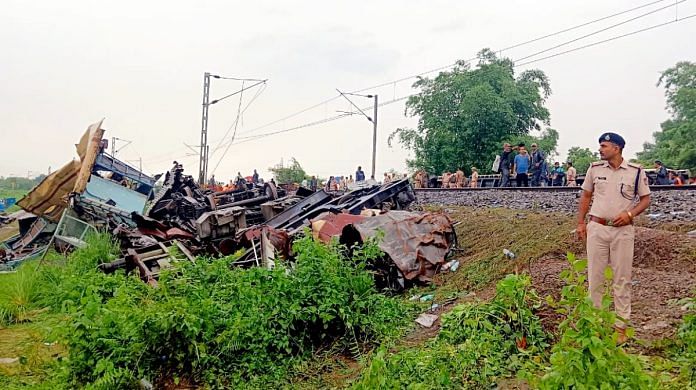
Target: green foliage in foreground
[[18, 296], [212, 324], [685, 348], [587, 356], [478, 344]]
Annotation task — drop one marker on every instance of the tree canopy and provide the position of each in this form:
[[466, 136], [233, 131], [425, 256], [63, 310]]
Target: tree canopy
[[582, 158], [675, 144], [465, 114], [293, 173]]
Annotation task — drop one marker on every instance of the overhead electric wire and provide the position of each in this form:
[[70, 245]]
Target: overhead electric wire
[[251, 138], [402, 79], [608, 40], [222, 142], [319, 122], [240, 91], [601, 30], [393, 82], [236, 123], [580, 25]]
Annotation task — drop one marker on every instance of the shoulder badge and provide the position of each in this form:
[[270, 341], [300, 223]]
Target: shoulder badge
[[596, 163], [635, 165]]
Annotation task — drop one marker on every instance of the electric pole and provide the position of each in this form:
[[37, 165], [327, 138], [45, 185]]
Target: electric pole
[[374, 139], [203, 160], [372, 119]]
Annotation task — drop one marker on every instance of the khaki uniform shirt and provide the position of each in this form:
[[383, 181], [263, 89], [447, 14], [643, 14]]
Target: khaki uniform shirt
[[572, 173], [614, 190]]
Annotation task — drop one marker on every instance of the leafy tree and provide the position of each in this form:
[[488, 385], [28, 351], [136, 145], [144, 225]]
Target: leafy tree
[[675, 145], [464, 114], [294, 173], [582, 158]]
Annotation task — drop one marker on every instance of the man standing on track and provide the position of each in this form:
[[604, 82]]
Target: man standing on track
[[521, 167], [506, 161], [615, 184], [572, 175], [538, 168], [459, 175]]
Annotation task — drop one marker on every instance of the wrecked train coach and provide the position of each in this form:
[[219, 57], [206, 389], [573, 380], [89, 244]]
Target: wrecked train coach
[[179, 220]]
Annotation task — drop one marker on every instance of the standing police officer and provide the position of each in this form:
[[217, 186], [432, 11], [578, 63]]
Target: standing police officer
[[610, 234]]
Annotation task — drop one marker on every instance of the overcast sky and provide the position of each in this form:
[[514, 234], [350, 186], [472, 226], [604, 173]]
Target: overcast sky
[[140, 65]]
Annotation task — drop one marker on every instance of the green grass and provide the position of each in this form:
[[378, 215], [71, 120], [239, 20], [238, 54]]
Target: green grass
[[19, 292]]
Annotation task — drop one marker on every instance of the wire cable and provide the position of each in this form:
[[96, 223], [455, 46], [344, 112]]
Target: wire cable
[[599, 31], [405, 78], [236, 123], [607, 40], [222, 141], [580, 25], [251, 138]]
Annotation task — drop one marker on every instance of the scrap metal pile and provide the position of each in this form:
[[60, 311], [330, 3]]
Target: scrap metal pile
[[179, 220]]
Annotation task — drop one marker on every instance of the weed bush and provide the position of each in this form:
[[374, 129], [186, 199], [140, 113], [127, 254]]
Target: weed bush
[[685, 349], [478, 343], [213, 324], [19, 293], [587, 355]]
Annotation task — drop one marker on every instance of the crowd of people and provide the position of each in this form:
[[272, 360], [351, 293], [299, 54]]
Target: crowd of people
[[525, 166], [530, 168], [343, 183], [514, 163], [239, 182]]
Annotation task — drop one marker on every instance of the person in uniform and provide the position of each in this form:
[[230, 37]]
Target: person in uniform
[[418, 180], [612, 185], [446, 179], [474, 178], [459, 182], [572, 175]]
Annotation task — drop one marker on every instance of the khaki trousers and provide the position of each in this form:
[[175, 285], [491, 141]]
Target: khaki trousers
[[613, 246]]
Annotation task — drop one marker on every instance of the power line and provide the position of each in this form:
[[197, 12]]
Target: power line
[[236, 123], [393, 82], [608, 40], [240, 91], [402, 79], [581, 25], [315, 123], [251, 138], [600, 31], [221, 143]]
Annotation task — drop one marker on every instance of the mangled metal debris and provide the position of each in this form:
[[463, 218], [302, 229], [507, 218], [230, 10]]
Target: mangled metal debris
[[99, 192]]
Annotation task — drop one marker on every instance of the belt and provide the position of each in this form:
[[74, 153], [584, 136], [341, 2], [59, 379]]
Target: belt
[[601, 221]]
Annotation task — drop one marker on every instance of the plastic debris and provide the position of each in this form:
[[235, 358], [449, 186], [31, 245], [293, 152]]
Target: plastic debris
[[509, 254], [426, 298], [451, 266], [426, 320]]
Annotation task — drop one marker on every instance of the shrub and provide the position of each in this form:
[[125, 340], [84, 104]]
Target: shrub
[[478, 343], [587, 355], [211, 323], [19, 292]]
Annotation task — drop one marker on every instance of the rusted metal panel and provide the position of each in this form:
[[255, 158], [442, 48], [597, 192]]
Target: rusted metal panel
[[417, 243], [329, 225]]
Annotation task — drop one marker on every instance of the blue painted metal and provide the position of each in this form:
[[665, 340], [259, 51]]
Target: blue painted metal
[[103, 190], [106, 162], [6, 203]]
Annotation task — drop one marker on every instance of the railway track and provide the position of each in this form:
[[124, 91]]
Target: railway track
[[667, 203], [540, 189]]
